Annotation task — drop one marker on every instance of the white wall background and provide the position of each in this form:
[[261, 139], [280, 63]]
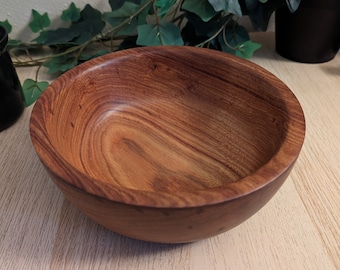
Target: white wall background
[[18, 12]]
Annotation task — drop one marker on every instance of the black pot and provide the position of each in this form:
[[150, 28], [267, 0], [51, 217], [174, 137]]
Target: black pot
[[11, 98], [311, 34]]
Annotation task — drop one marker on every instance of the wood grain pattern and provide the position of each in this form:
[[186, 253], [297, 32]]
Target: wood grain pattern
[[172, 129], [297, 229]]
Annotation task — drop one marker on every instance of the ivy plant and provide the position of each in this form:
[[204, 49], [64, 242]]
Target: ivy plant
[[87, 33]]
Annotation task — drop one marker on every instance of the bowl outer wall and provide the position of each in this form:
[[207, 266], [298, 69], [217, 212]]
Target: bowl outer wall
[[169, 225]]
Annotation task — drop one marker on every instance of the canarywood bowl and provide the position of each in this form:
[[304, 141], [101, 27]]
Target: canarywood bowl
[[168, 144]]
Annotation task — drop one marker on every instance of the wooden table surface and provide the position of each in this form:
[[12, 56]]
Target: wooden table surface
[[298, 229]]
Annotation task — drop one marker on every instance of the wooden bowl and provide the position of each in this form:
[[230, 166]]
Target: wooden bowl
[[168, 144]]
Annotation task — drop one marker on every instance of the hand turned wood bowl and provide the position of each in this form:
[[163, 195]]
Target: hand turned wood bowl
[[168, 144]]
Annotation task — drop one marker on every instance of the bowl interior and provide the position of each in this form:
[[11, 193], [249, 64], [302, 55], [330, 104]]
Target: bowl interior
[[166, 119]]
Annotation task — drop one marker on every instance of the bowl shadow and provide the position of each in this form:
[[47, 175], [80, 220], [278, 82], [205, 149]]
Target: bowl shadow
[[79, 240]]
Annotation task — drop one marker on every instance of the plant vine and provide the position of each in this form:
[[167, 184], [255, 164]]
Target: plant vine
[[89, 33]]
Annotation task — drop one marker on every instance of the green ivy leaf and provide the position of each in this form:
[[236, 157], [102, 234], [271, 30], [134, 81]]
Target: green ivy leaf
[[164, 6], [41, 39], [6, 25], [39, 21], [71, 14], [117, 4], [231, 6], [205, 28], [247, 49], [58, 36], [116, 17], [90, 13], [218, 5], [20, 46], [89, 25], [232, 38], [163, 34], [13, 43], [60, 64], [32, 90], [145, 12], [87, 30], [293, 4], [88, 56], [203, 9], [236, 41], [253, 4]]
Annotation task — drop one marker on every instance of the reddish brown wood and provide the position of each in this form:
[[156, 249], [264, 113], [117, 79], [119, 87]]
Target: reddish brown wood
[[168, 144]]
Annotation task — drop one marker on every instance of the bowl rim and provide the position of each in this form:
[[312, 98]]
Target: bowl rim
[[280, 163]]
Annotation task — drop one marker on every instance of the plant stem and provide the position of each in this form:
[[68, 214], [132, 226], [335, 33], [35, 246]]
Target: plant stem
[[176, 9], [217, 32], [157, 25], [38, 61], [80, 48], [37, 73], [127, 21], [227, 43]]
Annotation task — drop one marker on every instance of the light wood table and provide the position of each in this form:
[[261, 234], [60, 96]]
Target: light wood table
[[298, 229]]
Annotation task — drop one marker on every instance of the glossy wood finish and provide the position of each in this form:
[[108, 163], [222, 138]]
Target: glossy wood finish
[[299, 228], [168, 144]]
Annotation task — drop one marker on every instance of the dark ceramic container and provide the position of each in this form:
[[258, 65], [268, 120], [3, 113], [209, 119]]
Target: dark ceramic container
[[11, 99], [311, 34]]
